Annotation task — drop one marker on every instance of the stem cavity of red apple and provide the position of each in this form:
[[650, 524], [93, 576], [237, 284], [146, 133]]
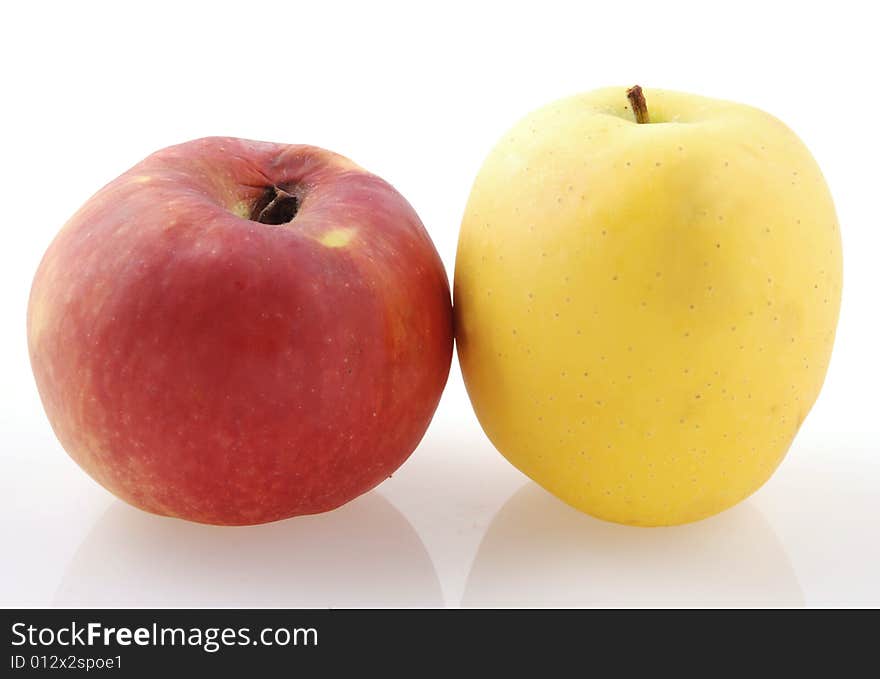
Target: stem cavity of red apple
[[276, 206], [640, 107]]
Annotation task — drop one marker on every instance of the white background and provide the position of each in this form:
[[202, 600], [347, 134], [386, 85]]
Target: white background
[[418, 95]]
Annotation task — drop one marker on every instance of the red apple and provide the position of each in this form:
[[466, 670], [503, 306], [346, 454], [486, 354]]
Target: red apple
[[235, 332]]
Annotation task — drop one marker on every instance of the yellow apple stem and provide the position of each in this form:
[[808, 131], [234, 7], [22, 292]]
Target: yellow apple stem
[[640, 107]]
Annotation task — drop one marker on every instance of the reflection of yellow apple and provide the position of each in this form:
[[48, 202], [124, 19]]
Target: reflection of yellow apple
[[539, 552], [645, 312]]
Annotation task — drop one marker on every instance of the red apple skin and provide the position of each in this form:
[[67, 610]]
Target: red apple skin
[[201, 365]]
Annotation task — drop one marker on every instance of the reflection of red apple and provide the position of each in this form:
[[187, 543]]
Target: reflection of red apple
[[236, 332], [365, 554]]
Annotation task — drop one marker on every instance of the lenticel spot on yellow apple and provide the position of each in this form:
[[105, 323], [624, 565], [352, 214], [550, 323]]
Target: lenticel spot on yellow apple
[[647, 287]]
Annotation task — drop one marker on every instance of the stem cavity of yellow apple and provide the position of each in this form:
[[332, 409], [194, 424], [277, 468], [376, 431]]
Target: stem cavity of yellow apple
[[639, 105], [276, 206]]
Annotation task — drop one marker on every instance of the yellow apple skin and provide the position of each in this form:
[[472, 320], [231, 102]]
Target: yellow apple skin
[[645, 312]]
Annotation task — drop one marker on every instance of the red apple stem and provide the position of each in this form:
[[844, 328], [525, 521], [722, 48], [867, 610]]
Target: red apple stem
[[640, 107], [275, 206]]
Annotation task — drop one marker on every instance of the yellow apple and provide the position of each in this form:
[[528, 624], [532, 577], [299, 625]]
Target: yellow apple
[[645, 308]]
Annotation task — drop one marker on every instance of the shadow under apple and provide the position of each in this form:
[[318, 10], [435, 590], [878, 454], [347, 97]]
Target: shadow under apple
[[364, 554], [538, 551]]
